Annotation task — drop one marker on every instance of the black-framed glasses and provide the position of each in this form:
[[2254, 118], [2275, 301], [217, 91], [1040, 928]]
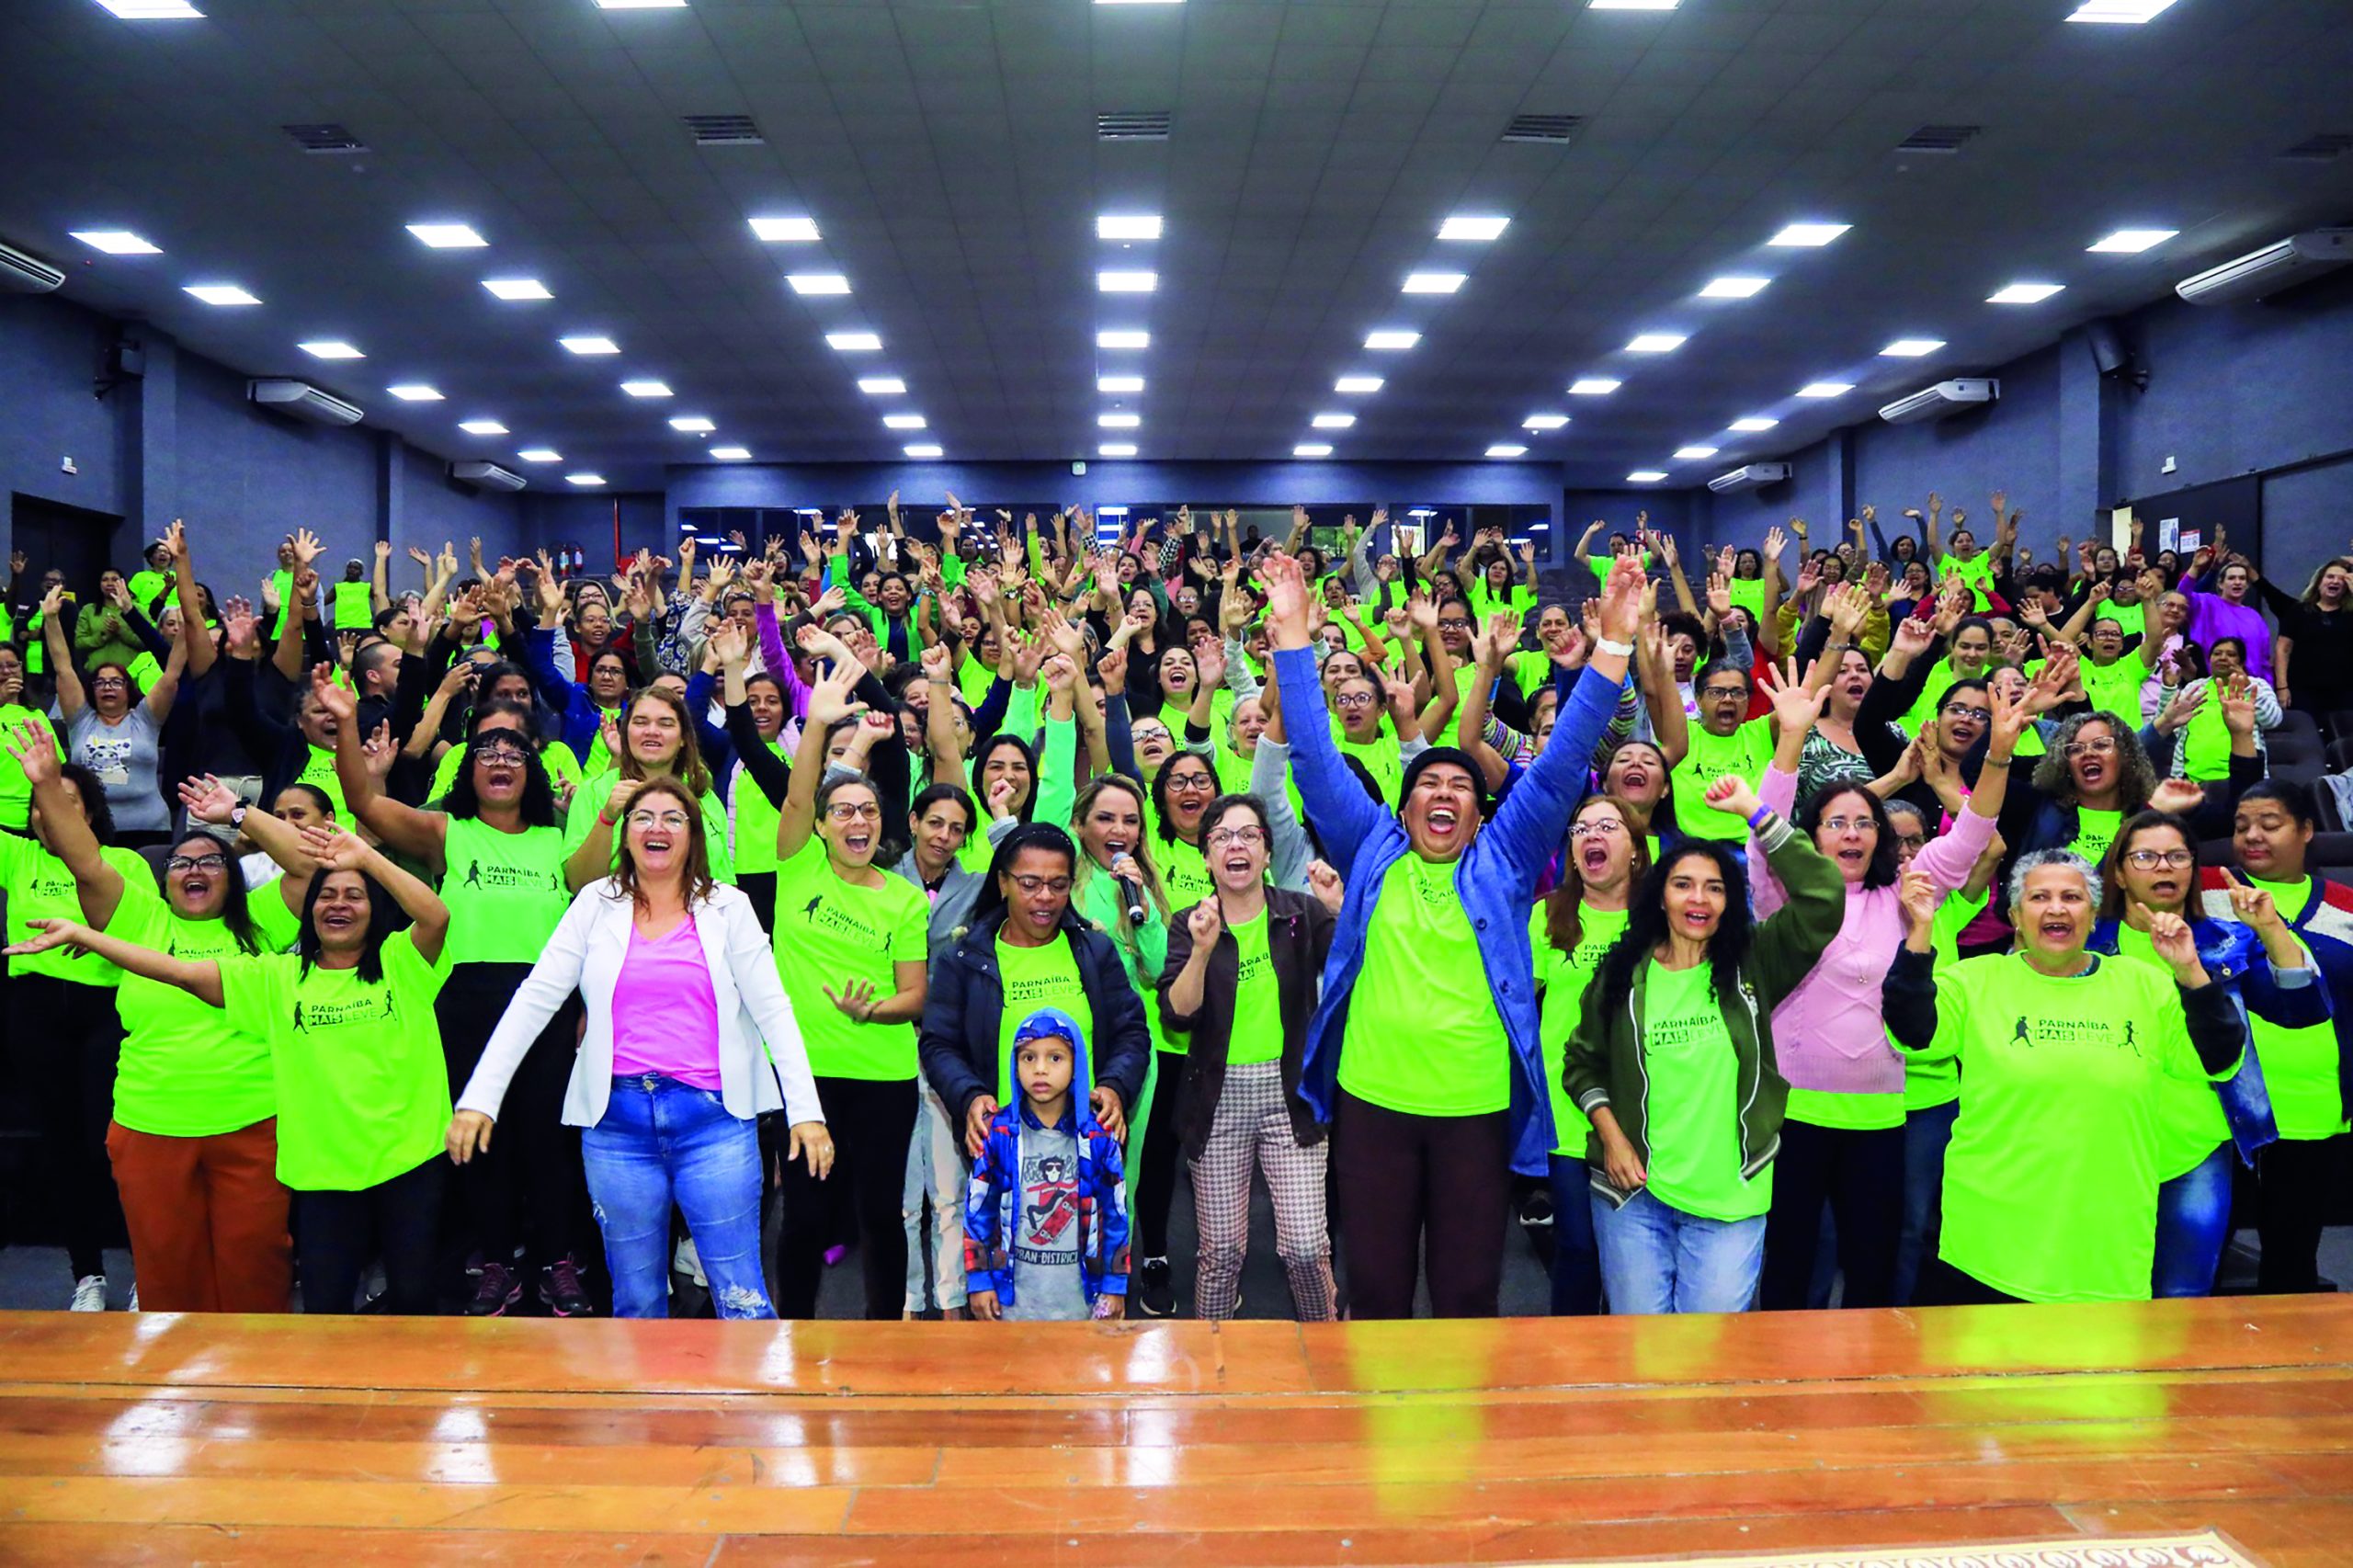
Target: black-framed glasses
[[214, 862], [2171, 860], [1246, 836], [500, 748], [1029, 884], [1724, 693]]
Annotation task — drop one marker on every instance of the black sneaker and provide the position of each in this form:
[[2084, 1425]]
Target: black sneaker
[[497, 1291], [561, 1292], [1155, 1292]]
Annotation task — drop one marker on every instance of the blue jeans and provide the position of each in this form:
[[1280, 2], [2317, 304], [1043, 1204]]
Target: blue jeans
[[662, 1142], [2193, 1226], [1656, 1258], [1926, 1134], [1576, 1261]]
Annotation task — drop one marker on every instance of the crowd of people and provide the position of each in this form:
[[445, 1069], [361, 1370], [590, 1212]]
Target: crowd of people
[[1877, 922]]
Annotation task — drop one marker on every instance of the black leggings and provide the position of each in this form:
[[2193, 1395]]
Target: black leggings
[[1942, 1285], [760, 888], [526, 1190], [1155, 1183], [2296, 1181], [1860, 1174], [336, 1232], [1419, 1191], [872, 1122], [69, 1038]]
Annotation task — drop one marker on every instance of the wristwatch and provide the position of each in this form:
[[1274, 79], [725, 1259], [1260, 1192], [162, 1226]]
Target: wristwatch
[[237, 815]]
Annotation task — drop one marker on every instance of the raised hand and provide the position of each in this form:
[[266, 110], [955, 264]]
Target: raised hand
[[1287, 613], [1729, 792], [2253, 906], [1325, 884], [35, 750], [1798, 702], [208, 800], [830, 701], [2178, 796], [732, 647], [1205, 923], [856, 998], [2170, 935], [48, 934], [1849, 608], [333, 849], [306, 546], [1921, 898], [2237, 697], [1776, 541]]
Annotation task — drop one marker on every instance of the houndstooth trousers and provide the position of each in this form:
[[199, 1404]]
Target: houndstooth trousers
[[1252, 1129]]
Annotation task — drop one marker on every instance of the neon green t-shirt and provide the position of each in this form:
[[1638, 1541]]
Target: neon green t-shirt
[[1484, 601], [830, 931], [1184, 874], [1035, 978], [41, 887], [1748, 593], [589, 802], [2116, 689], [2299, 1065], [363, 1091], [2095, 831], [186, 1071], [2190, 1123], [1564, 977], [1745, 752], [355, 606], [1932, 1077], [16, 793], [562, 769], [1381, 756], [1422, 1034], [2133, 619], [1257, 998], [755, 818], [1692, 1117], [2050, 1180], [319, 771], [2206, 743], [505, 891], [1977, 571]]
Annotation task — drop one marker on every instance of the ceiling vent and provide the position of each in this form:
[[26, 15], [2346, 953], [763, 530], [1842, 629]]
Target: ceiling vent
[[1938, 139], [2281, 265], [1132, 125], [725, 130], [304, 401], [2321, 148], [22, 274], [1943, 399], [486, 476], [1754, 476], [328, 138], [1550, 130]]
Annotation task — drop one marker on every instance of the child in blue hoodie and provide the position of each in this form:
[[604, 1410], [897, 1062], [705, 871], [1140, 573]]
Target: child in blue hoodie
[[1046, 1216]]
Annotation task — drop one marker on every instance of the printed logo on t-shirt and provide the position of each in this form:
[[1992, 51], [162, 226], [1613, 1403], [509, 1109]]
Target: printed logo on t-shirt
[[1027, 993], [1678, 1032], [841, 922], [2038, 1031], [311, 1015], [108, 756], [1254, 968], [494, 878], [1049, 1209]]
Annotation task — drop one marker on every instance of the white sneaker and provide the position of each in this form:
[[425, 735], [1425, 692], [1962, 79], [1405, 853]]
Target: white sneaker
[[90, 1293], [134, 1298]]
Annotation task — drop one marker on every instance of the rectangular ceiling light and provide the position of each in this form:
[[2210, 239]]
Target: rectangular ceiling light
[[1122, 338], [1912, 347], [1128, 226], [1127, 282], [903, 422], [692, 424], [817, 282], [1115, 449], [785, 230], [2132, 241], [116, 241], [1505, 449], [1645, 476], [1389, 340], [1463, 226], [1594, 386], [2024, 293], [646, 389], [1138, 2], [222, 294], [1657, 342], [1119, 383], [1357, 385], [587, 481], [1753, 424], [881, 386], [517, 288], [541, 455], [1631, 5], [1808, 234], [151, 10], [1825, 388], [448, 236], [1734, 288], [1119, 421], [1312, 450], [1433, 283], [854, 342], [1333, 421], [731, 454], [330, 349], [921, 451], [1544, 422], [640, 5], [1693, 454], [2126, 11], [482, 427], [590, 345], [415, 391]]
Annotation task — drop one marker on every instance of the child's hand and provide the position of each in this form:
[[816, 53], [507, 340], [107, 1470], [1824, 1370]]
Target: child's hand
[[983, 1306], [1108, 1306]]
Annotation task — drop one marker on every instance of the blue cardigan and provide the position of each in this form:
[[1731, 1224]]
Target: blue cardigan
[[1496, 879]]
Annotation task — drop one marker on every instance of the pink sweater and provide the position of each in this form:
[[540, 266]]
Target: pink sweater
[[1828, 1034]]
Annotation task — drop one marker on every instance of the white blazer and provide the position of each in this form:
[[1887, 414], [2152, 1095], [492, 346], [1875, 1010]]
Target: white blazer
[[762, 1064]]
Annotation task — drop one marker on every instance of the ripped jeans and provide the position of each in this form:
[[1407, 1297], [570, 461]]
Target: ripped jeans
[[663, 1141]]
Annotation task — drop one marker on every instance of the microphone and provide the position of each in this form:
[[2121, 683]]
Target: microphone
[[1131, 899]]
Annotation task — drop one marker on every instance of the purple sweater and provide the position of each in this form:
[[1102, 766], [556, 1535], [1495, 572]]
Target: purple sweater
[[2211, 616], [1827, 1034]]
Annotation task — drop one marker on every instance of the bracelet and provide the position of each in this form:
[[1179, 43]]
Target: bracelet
[[1992, 761], [608, 822], [1604, 645], [1758, 816]]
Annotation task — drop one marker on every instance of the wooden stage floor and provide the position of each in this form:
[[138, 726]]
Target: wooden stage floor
[[363, 1441]]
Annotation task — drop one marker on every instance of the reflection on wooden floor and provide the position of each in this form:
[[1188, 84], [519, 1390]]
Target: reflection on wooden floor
[[162, 1438]]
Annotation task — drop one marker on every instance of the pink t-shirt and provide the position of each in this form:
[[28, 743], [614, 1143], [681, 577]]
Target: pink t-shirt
[[666, 1016]]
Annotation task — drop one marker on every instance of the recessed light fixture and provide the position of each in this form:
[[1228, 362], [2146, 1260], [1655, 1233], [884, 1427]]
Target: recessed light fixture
[[731, 454], [785, 230], [1312, 450], [1734, 288], [1115, 449], [854, 342], [1122, 337], [1631, 5], [646, 389], [640, 5], [1119, 421], [1434, 282], [590, 345], [1645, 476], [817, 282], [1128, 226], [415, 391], [1753, 424], [921, 450], [1506, 449], [1911, 347], [1138, 2], [1464, 227], [1357, 385], [222, 294], [1389, 340], [1544, 422], [1693, 454], [692, 424], [1119, 383], [116, 241], [2128, 11], [151, 10], [517, 288], [1594, 386], [482, 427], [541, 455], [1118, 281], [881, 386], [1657, 342], [585, 481], [330, 349], [1333, 421], [2024, 293], [1809, 235], [448, 236], [1825, 388], [903, 422], [2132, 241]]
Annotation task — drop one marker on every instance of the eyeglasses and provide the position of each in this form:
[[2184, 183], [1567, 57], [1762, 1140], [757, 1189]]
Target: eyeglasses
[[849, 811], [672, 819], [1605, 827], [1724, 693], [109, 683], [1959, 710], [1843, 824], [1354, 700], [1912, 841], [196, 863], [2171, 860], [500, 748], [1453, 624], [2090, 748], [1032, 884], [1248, 837]]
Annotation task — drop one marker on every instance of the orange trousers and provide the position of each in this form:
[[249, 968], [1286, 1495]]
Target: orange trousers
[[206, 1218]]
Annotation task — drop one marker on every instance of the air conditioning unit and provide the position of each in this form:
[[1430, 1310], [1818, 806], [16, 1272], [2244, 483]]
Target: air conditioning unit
[[22, 274], [1754, 476], [2268, 271], [304, 401], [486, 476], [1944, 398]]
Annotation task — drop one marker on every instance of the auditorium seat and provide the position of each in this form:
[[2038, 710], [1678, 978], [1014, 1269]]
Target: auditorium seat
[[2331, 850], [2297, 722]]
